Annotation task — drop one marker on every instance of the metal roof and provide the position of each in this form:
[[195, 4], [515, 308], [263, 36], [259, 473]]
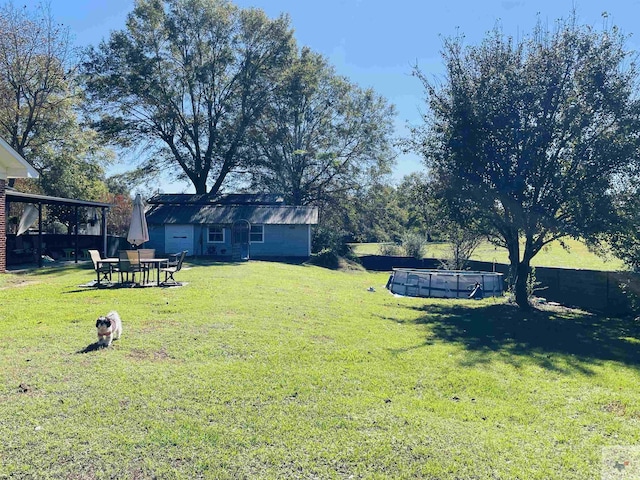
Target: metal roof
[[15, 196], [228, 214], [222, 199]]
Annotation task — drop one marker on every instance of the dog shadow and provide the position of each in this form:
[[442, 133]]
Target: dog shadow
[[92, 347]]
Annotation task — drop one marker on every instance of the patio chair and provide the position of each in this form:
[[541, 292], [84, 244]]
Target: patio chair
[[102, 270], [144, 253], [128, 264], [173, 266]]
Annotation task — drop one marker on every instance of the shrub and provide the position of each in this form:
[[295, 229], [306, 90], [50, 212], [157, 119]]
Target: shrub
[[331, 239], [462, 243], [325, 258], [390, 249], [533, 285], [413, 245]]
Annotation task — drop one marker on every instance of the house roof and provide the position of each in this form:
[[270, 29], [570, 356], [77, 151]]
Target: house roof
[[222, 199], [228, 214], [12, 165]]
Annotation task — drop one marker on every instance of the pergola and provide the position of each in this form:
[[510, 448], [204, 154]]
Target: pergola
[[40, 200], [12, 165]]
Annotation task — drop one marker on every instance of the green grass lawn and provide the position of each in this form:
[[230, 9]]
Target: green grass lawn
[[267, 370], [554, 255]]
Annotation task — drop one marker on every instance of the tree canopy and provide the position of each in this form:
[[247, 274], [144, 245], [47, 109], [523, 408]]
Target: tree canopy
[[527, 137], [321, 137], [187, 79], [35, 91], [39, 105]]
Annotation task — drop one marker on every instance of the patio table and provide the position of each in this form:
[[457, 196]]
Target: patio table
[[157, 262]]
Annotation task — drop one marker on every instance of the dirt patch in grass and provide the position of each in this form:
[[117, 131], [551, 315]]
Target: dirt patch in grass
[[155, 324], [322, 339], [205, 329], [155, 355], [24, 388], [18, 283], [616, 407]]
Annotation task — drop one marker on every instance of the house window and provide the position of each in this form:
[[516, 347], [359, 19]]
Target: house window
[[216, 234], [257, 234]]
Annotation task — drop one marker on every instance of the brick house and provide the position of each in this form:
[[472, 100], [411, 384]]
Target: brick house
[[12, 165]]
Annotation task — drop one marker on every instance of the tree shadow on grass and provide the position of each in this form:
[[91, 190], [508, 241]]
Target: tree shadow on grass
[[563, 340]]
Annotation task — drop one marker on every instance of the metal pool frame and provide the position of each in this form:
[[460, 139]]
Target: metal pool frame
[[444, 283]]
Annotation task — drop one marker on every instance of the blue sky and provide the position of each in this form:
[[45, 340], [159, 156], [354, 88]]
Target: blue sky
[[376, 42]]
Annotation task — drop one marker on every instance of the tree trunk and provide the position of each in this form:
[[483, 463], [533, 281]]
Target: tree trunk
[[200, 185], [522, 274], [513, 246], [518, 271]]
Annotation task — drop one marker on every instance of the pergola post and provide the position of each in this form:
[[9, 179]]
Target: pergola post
[[39, 235], [104, 232], [3, 226], [75, 236]]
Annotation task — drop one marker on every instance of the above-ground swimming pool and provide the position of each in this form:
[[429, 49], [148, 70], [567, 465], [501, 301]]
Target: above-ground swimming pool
[[443, 283]]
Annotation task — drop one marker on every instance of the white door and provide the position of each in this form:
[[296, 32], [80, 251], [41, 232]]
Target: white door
[[178, 238]]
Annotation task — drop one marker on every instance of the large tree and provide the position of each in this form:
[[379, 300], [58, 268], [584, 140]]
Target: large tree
[[322, 137], [39, 104], [35, 91], [528, 136], [188, 78]]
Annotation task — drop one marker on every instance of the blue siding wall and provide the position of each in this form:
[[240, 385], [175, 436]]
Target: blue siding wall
[[279, 241], [156, 238], [283, 240]]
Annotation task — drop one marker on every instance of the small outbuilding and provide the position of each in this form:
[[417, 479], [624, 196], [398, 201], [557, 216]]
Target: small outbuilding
[[238, 226]]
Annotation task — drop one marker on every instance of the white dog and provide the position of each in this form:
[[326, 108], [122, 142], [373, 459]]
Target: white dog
[[109, 328]]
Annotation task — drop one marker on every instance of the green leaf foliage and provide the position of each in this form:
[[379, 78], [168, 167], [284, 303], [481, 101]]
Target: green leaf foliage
[[187, 79], [323, 137], [40, 105], [527, 137]]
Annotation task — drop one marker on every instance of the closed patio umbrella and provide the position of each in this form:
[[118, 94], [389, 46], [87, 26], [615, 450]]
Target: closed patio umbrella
[[28, 218], [138, 230]]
